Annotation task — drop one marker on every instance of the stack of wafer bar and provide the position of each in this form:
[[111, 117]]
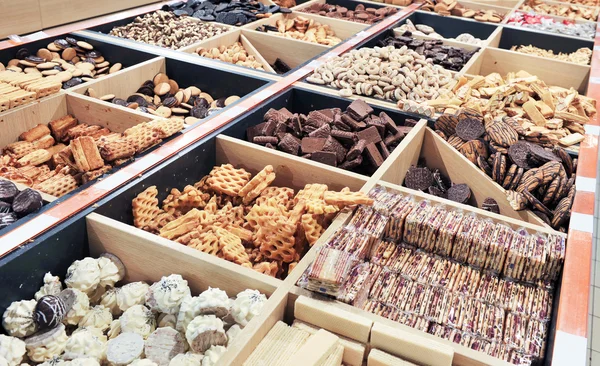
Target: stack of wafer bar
[[243, 219], [456, 275], [19, 88], [300, 344], [58, 157]]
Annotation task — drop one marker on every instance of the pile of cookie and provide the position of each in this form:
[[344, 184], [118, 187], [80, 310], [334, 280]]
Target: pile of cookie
[[165, 29], [548, 115], [243, 219], [357, 139], [428, 31], [304, 29], [542, 179], [58, 157], [163, 97], [449, 57], [237, 12], [15, 204], [582, 56], [453, 7], [234, 54], [568, 11], [447, 272], [92, 322], [18, 88], [547, 24], [360, 14]]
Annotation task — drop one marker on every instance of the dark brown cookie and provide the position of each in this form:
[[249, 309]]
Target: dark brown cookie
[[517, 179], [459, 193], [474, 148], [418, 178], [539, 156], [551, 191], [562, 212], [519, 154], [499, 169], [537, 205], [501, 133], [514, 125], [543, 216], [530, 181], [447, 124], [456, 142], [490, 204], [510, 175], [484, 166], [516, 200], [469, 129], [549, 171]]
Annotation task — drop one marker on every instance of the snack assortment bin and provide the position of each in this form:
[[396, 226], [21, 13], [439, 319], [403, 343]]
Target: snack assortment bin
[[97, 216]]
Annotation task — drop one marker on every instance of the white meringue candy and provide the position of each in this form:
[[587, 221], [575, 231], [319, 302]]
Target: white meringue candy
[[97, 317], [44, 345], [247, 305], [188, 359], [232, 333], [12, 349], [213, 301], [124, 349], [109, 301], [163, 345], [138, 319], [83, 275], [205, 331], [17, 320], [166, 295], [143, 362], [56, 361], [84, 343], [188, 310], [115, 329], [3, 361], [167, 320], [86, 361], [96, 295], [212, 356], [109, 272], [80, 305], [51, 286], [132, 294]]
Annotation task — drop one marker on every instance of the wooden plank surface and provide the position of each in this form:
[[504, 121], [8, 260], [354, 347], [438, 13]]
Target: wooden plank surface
[[20, 17]]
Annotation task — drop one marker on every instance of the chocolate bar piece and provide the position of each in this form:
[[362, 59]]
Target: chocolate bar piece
[[289, 144], [370, 135], [373, 155], [310, 145], [324, 157]]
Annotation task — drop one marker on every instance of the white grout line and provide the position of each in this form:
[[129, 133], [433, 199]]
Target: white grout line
[[569, 350], [582, 222], [586, 184], [592, 130]]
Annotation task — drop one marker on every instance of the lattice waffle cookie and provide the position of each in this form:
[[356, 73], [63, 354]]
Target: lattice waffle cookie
[[241, 218]]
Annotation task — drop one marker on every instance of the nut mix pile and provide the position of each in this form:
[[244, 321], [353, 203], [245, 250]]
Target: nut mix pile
[[385, 73], [534, 177], [15, 204], [303, 29], [360, 14], [165, 29], [452, 7], [547, 24], [237, 12], [163, 97], [568, 11], [426, 30], [91, 322], [233, 54], [357, 139], [450, 57], [582, 56], [59, 157], [456, 275], [243, 219]]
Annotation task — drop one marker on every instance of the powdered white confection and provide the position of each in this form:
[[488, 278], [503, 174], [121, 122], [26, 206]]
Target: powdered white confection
[[46, 344], [233, 332], [115, 329], [56, 361], [163, 345], [84, 343], [3, 361], [17, 320], [132, 294], [167, 320], [143, 362], [187, 312], [80, 308], [212, 356], [96, 295], [51, 286], [166, 295], [247, 305], [124, 349], [138, 319], [12, 349], [109, 301], [214, 301], [83, 275], [188, 359], [109, 272], [97, 317], [87, 361], [205, 331]]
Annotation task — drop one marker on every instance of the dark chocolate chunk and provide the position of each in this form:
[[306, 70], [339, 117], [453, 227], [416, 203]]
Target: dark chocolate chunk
[[318, 119], [385, 153], [409, 122], [263, 140], [8, 191], [268, 128], [418, 178], [519, 154], [324, 157], [539, 156], [433, 190], [352, 164], [289, 144], [49, 312], [312, 144], [389, 123], [332, 145], [392, 139], [490, 204], [7, 219], [354, 124], [537, 204], [345, 137], [440, 181], [356, 150], [296, 125], [5, 207], [373, 155], [26, 202], [271, 146], [459, 193], [370, 135], [324, 131], [469, 129], [359, 110]]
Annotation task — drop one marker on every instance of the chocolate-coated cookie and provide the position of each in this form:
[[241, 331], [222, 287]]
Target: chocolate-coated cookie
[[418, 178], [459, 193]]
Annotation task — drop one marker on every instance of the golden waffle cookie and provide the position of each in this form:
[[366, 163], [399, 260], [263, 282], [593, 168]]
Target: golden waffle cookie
[[208, 243], [319, 207], [211, 206], [261, 211], [256, 185], [231, 247], [311, 192], [312, 229], [142, 137], [34, 158], [188, 199], [268, 268], [276, 238], [187, 238], [113, 149], [15, 175], [90, 176], [20, 148], [58, 185], [228, 180], [169, 203], [167, 127], [240, 232], [347, 198], [182, 225], [283, 195], [145, 207], [201, 184], [159, 222]]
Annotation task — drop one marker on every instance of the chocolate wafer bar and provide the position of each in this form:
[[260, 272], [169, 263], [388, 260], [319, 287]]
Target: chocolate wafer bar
[[448, 230], [464, 238], [481, 243], [499, 247]]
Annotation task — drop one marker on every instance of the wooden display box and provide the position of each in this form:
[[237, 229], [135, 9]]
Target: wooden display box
[[217, 83]]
